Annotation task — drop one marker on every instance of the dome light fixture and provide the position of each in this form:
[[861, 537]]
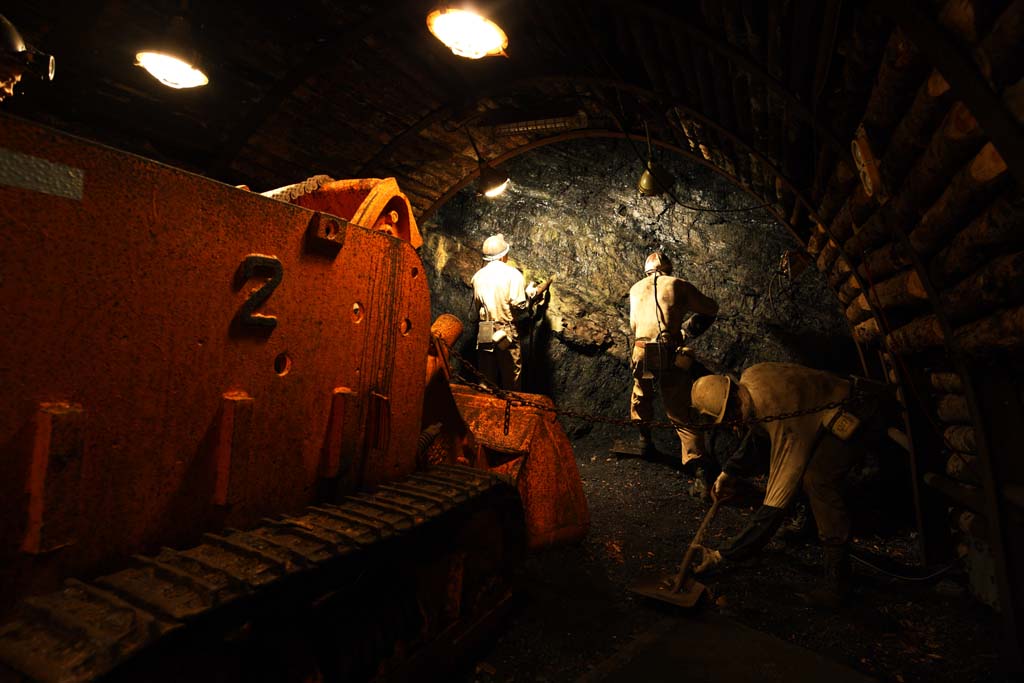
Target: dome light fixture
[[174, 62], [655, 179], [467, 33]]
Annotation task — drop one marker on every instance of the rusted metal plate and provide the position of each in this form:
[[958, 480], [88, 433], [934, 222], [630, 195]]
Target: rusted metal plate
[[537, 455], [223, 357]]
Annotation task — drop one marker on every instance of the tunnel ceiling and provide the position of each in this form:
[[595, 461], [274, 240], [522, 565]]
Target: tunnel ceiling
[[925, 257]]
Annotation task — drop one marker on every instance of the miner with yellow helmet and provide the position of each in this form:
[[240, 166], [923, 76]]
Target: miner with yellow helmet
[[814, 450]]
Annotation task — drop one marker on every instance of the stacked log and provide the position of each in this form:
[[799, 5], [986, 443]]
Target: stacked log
[[817, 240], [963, 495], [999, 283], [867, 332], [970, 523], [975, 184], [963, 467], [946, 382], [952, 409], [1004, 330], [999, 226], [922, 333], [960, 438]]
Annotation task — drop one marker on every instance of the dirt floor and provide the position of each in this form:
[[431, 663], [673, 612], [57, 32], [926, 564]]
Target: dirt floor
[[575, 612]]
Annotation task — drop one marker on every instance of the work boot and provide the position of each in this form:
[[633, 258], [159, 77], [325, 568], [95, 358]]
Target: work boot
[[645, 442], [833, 591], [800, 529]]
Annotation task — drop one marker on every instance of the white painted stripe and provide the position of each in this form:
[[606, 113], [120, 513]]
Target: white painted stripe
[[39, 175]]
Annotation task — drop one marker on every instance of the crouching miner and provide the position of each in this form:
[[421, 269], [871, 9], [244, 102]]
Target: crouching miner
[[501, 297], [658, 308], [815, 450]]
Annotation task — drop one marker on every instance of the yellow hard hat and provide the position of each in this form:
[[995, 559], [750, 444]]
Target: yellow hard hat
[[710, 395]]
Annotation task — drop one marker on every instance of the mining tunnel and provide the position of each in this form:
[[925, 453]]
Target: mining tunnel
[[249, 423]]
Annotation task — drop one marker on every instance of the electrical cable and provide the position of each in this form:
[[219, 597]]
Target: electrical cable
[[929, 577]]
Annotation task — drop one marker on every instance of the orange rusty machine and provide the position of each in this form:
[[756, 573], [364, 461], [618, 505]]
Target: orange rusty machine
[[230, 446]]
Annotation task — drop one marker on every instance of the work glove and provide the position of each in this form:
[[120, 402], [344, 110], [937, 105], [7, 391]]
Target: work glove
[[724, 487], [531, 290], [708, 558]]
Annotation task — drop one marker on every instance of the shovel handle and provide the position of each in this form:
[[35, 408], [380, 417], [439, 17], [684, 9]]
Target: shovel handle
[[697, 538]]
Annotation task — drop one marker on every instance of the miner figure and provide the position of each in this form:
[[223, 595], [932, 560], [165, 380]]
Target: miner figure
[[660, 308], [814, 450], [501, 297]]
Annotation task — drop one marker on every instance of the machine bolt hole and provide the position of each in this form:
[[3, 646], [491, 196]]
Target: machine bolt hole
[[330, 228], [357, 312], [282, 364], [415, 272], [405, 326]]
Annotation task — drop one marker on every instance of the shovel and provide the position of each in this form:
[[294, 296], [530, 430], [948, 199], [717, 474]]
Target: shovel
[[683, 591]]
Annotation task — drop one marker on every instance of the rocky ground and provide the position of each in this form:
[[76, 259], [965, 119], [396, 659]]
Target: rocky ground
[[575, 611]]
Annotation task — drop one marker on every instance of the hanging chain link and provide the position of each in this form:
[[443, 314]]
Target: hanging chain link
[[486, 386]]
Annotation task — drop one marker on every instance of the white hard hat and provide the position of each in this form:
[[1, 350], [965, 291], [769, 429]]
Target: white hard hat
[[495, 247], [656, 261], [710, 395]]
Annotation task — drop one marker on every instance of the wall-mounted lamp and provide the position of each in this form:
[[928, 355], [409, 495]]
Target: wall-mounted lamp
[[467, 33], [491, 182], [655, 178], [174, 60]]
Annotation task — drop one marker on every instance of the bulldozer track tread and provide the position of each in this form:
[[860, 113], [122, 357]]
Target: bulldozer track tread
[[445, 484], [376, 528], [402, 517], [87, 629], [415, 493]]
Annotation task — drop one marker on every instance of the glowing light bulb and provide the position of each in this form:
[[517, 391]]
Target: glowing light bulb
[[495, 191], [467, 33], [172, 71]]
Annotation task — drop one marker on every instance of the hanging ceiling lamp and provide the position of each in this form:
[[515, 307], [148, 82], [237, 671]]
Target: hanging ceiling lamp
[[491, 182], [467, 33], [174, 60], [655, 178]]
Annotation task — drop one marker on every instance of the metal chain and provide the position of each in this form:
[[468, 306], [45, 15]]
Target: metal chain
[[486, 386]]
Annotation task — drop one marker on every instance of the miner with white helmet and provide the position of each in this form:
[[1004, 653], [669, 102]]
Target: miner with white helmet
[[815, 450], [659, 307], [500, 297]]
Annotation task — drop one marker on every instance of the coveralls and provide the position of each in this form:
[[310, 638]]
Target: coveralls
[[499, 294], [801, 452], [649, 316]]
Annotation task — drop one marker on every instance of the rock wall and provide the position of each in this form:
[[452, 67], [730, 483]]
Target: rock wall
[[573, 210]]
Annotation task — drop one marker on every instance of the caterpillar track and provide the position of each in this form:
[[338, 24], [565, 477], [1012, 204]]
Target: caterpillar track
[[148, 621]]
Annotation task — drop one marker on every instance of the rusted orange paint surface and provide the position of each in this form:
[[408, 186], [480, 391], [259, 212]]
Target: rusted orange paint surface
[[128, 300], [537, 455]]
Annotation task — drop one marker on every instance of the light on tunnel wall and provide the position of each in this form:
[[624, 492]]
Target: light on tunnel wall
[[174, 60], [492, 181], [467, 33]]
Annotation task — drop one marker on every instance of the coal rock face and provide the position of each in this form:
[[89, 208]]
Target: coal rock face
[[573, 210]]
